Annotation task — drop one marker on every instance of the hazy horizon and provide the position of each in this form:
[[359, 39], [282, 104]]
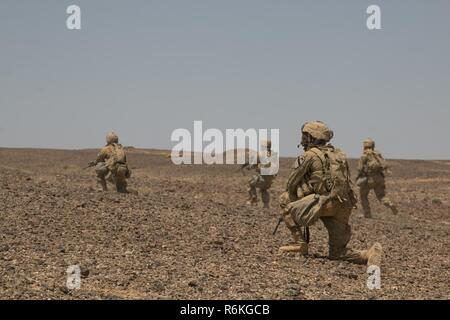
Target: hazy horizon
[[169, 150], [145, 68]]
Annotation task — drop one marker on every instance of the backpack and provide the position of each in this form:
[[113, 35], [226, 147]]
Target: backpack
[[119, 155], [375, 163], [336, 174]]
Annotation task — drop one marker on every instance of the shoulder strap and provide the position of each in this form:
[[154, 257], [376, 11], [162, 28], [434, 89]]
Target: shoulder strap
[[319, 154], [325, 164]]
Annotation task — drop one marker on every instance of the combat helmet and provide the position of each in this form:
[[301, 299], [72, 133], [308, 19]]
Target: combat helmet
[[111, 138], [369, 144], [318, 130]]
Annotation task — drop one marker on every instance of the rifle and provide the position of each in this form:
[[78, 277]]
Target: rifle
[[278, 224], [90, 165], [306, 234]]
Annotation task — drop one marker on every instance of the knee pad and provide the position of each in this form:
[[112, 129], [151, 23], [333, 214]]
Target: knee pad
[[290, 223], [101, 170], [253, 182]]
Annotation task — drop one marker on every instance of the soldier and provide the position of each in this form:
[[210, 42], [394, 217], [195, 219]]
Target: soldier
[[111, 164], [319, 187], [371, 173], [262, 182]]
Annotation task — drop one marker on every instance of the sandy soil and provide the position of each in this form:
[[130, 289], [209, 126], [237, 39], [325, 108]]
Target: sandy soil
[[188, 234]]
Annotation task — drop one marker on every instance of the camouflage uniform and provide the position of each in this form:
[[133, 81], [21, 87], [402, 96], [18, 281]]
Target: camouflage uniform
[[262, 182], [307, 178], [372, 178], [109, 165]]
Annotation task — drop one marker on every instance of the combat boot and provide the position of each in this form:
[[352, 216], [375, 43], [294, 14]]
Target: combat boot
[[394, 209], [299, 245], [388, 203], [374, 254], [252, 201], [121, 187]]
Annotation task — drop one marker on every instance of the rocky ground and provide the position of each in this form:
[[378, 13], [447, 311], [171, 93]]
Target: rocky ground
[[187, 234]]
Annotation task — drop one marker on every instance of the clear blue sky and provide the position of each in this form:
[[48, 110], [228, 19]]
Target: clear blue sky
[[145, 68]]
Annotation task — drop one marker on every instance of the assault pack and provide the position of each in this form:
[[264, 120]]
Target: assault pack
[[336, 186], [336, 173], [118, 155]]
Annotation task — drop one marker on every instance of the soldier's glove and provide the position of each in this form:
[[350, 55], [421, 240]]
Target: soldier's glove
[[285, 199]]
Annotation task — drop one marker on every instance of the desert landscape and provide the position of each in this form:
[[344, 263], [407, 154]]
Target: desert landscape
[[186, 233]]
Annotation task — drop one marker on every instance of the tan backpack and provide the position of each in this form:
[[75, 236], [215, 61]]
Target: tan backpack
[[336, 174], [337, 183], [118, 156]]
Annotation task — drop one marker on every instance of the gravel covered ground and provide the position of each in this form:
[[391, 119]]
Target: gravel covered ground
[[187, 234]]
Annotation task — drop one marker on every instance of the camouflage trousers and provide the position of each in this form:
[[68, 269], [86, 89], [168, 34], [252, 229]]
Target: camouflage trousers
[[339, 234], [117, 175], [377, 184], [263, 183]]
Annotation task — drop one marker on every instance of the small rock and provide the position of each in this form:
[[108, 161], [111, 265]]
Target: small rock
[[353, 276], [64, 289], [192, 283], [84, 272], [436, 202], [293, 292]]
